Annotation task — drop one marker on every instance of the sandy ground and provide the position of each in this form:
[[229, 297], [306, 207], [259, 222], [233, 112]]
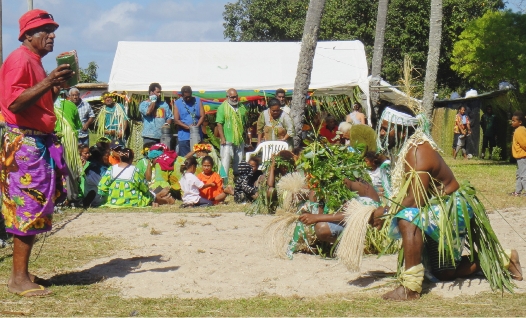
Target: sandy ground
[[225, 257]]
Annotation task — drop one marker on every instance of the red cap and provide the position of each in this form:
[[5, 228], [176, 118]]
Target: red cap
[[34, 19]]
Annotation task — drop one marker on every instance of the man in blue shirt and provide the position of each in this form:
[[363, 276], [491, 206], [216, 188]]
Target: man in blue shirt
[[155, 113], [188, 111]]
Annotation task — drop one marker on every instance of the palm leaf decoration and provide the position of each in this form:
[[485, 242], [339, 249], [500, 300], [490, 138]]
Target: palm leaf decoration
[[69, 140]]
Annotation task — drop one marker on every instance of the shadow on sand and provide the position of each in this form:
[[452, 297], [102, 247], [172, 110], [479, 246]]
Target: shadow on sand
[[118, 267]]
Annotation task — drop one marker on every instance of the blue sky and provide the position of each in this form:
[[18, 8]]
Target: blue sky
[[93, 27]]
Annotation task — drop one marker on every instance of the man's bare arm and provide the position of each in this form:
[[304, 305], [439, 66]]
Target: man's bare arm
[[31, 95]]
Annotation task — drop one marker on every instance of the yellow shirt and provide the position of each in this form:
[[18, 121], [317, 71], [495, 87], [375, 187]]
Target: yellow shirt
[[518, 146]]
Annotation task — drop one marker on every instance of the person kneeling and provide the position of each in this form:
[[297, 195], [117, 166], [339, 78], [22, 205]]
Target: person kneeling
[[191, 185]]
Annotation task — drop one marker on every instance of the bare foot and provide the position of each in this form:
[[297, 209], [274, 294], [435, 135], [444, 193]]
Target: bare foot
[[515, 266], [401, 294], [27, 288]]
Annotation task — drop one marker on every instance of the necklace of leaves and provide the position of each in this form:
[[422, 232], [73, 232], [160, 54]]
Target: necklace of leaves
[[193, 113]]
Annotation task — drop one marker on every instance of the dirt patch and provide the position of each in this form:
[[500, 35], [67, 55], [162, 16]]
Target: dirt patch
[[200, 255]]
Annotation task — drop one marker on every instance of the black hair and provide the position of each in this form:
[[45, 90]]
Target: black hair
[[357, 106], [209, 159], [462, 106], [255, 159], [96, 154], [153, 86], [376, 158], [186, 89], [273, 102], [280, 91], [126, 155], [82, 146], [188, 163], [520, 116]]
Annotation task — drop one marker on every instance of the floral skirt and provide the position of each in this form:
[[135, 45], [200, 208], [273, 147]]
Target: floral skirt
[[428, 220], [30, 180]]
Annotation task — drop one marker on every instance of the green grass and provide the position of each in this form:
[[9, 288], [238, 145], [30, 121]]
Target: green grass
[[494, 180]]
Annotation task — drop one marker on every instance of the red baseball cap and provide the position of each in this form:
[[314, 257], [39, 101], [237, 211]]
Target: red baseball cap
[[34, 19]]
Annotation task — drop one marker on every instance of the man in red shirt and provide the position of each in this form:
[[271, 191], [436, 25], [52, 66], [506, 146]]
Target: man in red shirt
[[329, 130], [31, 160]]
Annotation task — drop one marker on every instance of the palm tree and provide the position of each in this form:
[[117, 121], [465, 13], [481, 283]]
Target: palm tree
[[376, 67], [303, 73], [433, 55]]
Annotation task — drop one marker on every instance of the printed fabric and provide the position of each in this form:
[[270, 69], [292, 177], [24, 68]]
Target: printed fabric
[[428, 218], [127, 190], [31, 174]]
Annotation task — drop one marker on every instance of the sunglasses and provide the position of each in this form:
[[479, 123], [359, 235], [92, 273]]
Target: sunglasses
[[42, 16], [233, 97]]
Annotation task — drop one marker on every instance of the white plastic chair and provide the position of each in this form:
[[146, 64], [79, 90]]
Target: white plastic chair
[[269, 148]]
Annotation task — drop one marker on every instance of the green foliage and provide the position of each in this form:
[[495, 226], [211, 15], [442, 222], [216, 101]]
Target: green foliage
[[326, 167], [407, 28], [89, 74], [496, 153], [491, 49]]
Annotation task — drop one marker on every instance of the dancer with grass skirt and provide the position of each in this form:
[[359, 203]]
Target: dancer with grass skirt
[[431, 211]]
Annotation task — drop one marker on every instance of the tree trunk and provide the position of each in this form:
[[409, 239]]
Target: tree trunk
[[376, 67], [303, 73], [433, 56]]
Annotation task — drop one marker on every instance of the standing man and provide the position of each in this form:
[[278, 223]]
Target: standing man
[[188, 112], [86, 114], [114, 120], [155, 114], [231, 119], [275, 124], [31, 158], [487, 123], [280, 95]]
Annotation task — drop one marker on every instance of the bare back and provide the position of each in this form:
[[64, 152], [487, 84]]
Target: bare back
[[433, 173]]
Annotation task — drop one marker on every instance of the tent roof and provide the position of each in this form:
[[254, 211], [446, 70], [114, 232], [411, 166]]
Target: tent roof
[[393, 95], [217, 66]]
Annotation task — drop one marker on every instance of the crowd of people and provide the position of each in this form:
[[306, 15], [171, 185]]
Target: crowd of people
[[426, 205]]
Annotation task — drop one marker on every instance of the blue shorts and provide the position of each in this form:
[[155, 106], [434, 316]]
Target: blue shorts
[[336, 228]]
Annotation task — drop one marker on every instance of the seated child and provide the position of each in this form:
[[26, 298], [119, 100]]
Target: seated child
[[246, 185], [191, 185], [380, 172], [208, 176]]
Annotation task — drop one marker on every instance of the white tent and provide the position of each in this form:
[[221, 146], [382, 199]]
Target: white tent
[[217, 66]]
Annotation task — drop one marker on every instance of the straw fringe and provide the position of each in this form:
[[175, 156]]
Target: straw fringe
[[292, 188], [279, 232], [350, 249]]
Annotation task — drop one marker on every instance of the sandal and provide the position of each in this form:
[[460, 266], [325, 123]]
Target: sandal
[[515, 194]]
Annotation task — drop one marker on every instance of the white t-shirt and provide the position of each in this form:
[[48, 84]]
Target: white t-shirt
[[190, 186], [126, 175]]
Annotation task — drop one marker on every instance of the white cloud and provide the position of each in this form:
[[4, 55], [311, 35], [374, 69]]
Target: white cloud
[[94, 27]]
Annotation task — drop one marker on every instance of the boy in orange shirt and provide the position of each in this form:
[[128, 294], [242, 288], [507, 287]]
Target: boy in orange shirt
[[518, 150]]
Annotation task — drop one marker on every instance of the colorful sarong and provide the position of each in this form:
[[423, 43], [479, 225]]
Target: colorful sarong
[[428, 221], [32, 167]]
